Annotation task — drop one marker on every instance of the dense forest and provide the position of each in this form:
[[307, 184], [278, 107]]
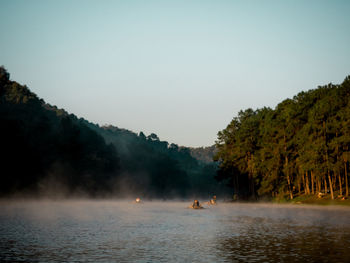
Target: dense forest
[[300, 147], [45, 149], [48, 151]]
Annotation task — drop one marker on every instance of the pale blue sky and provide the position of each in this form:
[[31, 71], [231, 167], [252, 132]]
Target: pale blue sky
[[180, 69]]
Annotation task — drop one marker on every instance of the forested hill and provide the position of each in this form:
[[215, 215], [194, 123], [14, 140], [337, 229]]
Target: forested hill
[[300, 147], [155, 168], [51, 152], [47, 150]]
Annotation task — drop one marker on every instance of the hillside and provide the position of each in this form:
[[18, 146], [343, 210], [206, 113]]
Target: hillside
[[48, 150], [153, 167], [51, 152]]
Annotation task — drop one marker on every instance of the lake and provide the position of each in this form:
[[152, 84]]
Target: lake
[[122, 231]]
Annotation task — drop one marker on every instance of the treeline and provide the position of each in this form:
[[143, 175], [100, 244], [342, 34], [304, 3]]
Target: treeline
[[46, 150], [155, 168], [300, 147], [204, 154]]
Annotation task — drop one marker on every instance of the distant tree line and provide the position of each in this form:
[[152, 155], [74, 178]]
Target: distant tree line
[[300, 147], [155, 168], [45, 149], [204, 154]]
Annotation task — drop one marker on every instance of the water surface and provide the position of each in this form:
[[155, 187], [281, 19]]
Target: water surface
[[121, 231]]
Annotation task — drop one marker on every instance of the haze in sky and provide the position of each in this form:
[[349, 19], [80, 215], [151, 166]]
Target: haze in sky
[[180, 69]]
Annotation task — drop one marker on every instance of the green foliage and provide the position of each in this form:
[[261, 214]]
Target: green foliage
[[300, 146]]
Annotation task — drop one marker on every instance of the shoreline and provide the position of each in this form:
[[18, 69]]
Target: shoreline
[[297, 200], [314, 200]]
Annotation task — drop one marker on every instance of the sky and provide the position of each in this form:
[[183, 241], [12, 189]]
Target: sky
[[180, 69]]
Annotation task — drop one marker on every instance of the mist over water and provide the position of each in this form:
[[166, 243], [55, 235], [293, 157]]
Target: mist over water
[[122, 231]]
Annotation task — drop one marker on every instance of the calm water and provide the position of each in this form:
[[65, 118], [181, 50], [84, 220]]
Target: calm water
[[110, 231]]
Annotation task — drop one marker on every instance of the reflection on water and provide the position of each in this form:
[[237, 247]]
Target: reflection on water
[[283, 242], [105, 231]]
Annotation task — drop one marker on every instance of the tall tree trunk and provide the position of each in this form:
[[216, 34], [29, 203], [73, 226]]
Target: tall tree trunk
[[250, 166], [318, 185], [340, 185], [327, 160], [289, 188], [307, 183], [288, 178], [346, 180], [312, 182], [330, 185], [325, 185]]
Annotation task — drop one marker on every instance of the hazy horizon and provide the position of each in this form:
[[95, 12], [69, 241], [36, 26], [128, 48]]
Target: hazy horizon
[[180, 69]]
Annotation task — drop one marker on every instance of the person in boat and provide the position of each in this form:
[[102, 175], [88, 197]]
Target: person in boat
[[196, 204], [213, 200]]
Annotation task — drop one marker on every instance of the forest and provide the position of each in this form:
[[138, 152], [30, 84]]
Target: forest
[[300, 147], [47, 151]]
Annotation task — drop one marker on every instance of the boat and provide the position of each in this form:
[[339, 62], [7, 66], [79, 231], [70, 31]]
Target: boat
[[196, 205]]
